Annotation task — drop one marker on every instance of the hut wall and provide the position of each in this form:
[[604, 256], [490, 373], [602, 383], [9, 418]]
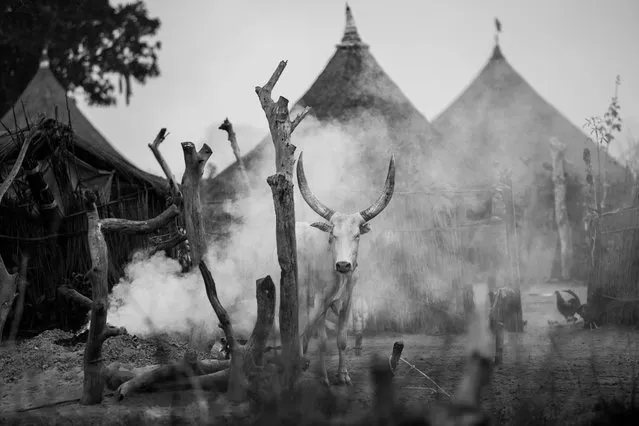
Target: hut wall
[[55, 257], [613, 284]]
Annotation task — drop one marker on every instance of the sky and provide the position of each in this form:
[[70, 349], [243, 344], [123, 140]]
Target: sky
[[214, 53]]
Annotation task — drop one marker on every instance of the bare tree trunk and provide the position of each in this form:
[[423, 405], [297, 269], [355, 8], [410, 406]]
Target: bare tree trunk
[[227, 126], [98, 331], [195, 162], [557, 150], [281, 184]]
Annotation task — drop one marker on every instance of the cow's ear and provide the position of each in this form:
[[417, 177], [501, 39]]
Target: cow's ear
[[322, 226], [364, 228]]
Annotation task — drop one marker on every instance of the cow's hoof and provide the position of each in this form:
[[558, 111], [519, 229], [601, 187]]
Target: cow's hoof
[[344, 379]]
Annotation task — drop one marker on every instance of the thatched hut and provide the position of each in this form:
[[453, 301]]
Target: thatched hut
[[500, 119], [41, 213], [359, 117]]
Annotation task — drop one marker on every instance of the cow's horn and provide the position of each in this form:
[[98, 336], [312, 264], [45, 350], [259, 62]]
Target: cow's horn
[[385, 197], [308, 196]]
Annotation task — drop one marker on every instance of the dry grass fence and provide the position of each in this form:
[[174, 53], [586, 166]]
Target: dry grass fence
[[613, 285]]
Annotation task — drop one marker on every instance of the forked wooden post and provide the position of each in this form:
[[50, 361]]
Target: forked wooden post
[[194, 168], [94, 380], [281, 184]]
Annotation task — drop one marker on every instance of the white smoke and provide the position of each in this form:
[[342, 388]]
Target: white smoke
[[153, 295]]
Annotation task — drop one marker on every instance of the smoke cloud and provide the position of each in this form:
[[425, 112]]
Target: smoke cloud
[[405, 262]]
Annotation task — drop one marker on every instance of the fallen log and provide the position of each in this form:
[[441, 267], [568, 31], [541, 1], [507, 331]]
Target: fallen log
[[127, 382]]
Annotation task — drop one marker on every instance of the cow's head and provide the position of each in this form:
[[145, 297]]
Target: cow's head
[[344, 229]]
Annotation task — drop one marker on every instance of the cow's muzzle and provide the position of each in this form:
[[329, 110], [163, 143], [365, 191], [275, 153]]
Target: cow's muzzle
[[343, 267]]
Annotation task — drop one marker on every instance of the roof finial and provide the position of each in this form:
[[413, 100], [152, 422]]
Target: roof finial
[[351, 36], [497, 50], [44, 57]]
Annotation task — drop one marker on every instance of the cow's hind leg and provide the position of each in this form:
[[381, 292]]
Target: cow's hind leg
[[323, 340], [342, 334]]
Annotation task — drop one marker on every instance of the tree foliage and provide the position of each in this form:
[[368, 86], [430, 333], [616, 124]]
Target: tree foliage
[[90, 43]]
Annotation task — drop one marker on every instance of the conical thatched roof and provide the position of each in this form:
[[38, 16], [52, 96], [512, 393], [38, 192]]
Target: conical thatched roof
[[45, 95], [499, 116], [352, 83]]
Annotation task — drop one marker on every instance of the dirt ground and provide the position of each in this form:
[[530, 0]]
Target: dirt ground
[[550, 375]]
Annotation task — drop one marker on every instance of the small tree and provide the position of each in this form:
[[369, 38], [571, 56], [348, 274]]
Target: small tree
[[603, 131]]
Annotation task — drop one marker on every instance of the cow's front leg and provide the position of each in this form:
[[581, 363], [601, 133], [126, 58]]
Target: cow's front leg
[[342, 334], [323, 340]]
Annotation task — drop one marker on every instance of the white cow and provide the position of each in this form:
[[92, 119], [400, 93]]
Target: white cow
[[327, 270]]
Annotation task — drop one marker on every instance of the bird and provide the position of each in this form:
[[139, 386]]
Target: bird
[[568, 308]]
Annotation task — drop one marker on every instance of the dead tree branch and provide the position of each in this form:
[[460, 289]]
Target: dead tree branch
[[138, 227], [98, 331], [155, 149], [74, 296], [175, 240], [227, 126], [220, 312], [281, 184]]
